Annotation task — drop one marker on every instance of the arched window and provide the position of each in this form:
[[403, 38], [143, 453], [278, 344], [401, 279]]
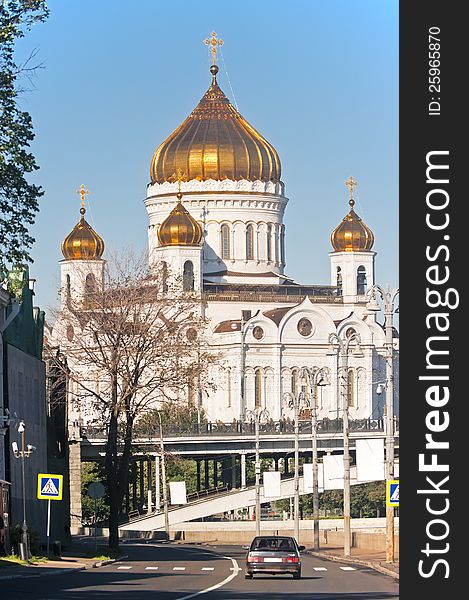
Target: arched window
[[228, 388], [188, 277], [282, 245], [225, 241], [90, 284], [250, 242], [258, 388], [269, 242], [339, 281], [294, 382], [191, 393], [351, 388], [68, 288], [361, 280], [164, 276]]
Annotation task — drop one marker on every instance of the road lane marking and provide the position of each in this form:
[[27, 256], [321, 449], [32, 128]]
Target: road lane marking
[[320, 568], [235, 568], [208, 568], [179, 568], [347, 569], [151, 568], [124, 567]]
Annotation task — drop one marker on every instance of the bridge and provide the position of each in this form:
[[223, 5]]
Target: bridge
[[227, 439], [220, 502], [222, 453]]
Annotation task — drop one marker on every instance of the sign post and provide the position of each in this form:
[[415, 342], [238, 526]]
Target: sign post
[[49, 487], [392, 492], [96, 490]]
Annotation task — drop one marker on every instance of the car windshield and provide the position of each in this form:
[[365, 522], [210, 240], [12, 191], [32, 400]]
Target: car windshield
[[273, 545]]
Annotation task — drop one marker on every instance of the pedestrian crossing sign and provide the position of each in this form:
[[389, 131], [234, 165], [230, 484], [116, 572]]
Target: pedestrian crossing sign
[[49, 487], [392, 492]]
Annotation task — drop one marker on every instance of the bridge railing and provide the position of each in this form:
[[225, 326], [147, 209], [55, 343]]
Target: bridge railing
[[247, 428]]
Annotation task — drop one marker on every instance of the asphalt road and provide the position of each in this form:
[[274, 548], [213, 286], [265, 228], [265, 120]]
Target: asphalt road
[[182, 572]]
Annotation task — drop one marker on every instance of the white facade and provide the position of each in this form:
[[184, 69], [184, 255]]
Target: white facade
[[256, 326]]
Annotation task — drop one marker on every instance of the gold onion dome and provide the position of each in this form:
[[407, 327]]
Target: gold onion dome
[[216, 142], [179, 228], [352, 234], [82, 243]]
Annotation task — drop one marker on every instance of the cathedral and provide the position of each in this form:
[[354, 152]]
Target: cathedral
[[216, 205]]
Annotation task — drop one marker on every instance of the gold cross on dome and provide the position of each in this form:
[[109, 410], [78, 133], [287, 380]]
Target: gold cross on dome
[[351, 183], [213, 42], [179, 177], [82, 192]]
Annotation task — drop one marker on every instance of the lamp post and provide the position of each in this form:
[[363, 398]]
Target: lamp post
[[23, 453], [293, 401], [163, 477], [258, 413], [316, 377], [342, 346], [244, 328], [388, 298]]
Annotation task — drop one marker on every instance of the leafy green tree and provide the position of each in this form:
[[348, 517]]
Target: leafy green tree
[[173, 414], [18, 198], [90, 473]]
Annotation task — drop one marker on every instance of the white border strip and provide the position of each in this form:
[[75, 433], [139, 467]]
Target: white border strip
[[217, 585]]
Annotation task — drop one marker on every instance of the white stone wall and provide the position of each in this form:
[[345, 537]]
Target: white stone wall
[[73, 274], [283, 350]]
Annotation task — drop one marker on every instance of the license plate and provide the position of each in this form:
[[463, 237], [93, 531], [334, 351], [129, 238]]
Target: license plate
[[273, 560]]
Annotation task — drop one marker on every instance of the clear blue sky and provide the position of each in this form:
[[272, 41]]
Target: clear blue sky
[[318, 78]]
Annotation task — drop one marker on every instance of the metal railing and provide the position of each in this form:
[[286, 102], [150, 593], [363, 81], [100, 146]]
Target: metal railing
[[245, 428]]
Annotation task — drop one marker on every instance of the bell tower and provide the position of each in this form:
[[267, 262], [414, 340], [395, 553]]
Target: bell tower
[[353, 261], [82, 268]]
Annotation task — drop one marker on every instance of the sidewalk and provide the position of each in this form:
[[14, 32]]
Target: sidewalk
[[65, 564], [374, 559]]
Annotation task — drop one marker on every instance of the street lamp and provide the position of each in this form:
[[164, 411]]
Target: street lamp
[[342, 346], [388, 298], [23, 453], [293, 401], [316, 377], [258, 413], [163, 477]]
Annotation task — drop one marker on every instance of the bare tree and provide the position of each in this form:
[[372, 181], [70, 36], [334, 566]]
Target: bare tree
[[135, 344]]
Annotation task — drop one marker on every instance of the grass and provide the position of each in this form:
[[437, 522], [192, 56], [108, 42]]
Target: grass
[[12, 559], [103, 554]]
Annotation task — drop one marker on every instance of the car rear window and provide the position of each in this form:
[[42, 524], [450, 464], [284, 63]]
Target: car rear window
[[274, 544]]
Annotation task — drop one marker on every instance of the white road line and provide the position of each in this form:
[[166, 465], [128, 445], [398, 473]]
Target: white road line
[[320, 568], [151, 568], [179, 568], [347, 569], [208, 568], [124, 567], [236, 569]]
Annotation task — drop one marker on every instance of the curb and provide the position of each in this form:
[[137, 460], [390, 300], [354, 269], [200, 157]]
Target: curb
[[94, 565], [366, 563]]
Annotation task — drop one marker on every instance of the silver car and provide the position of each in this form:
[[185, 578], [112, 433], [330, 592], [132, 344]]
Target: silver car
[[273, 555]]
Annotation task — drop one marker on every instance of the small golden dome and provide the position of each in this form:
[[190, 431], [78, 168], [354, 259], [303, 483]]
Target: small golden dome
[[215, 142], [82, 243], [352, 235], [179, 228]]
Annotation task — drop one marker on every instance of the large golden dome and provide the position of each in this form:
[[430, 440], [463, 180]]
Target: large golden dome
[[215, 142], [82, 243], [352, 235], [179, 228]]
